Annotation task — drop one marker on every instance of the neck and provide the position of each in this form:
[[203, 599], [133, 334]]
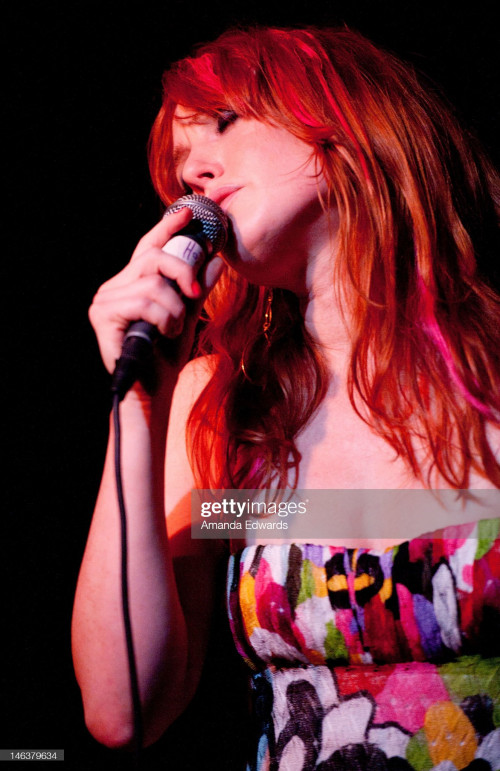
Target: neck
[[323, 315]]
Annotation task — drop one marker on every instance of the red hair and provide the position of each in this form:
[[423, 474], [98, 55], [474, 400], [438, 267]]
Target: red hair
[[418, 210]]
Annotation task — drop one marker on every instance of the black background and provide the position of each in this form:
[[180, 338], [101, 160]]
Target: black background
[[81, 87]]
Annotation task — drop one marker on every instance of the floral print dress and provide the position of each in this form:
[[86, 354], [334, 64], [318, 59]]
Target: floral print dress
[[369, 660]]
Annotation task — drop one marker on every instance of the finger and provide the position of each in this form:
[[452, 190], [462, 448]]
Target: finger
[[163, 231], [155, 261], [147, 299], [112, 329], [209, 275], [179, 274]]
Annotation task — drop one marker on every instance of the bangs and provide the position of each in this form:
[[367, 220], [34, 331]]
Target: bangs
[[214, 82]]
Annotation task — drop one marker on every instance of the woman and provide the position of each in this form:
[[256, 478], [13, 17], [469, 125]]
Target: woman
[[353, 343]]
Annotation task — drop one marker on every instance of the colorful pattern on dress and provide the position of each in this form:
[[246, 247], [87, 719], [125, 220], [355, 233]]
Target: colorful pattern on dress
[[366, 660]]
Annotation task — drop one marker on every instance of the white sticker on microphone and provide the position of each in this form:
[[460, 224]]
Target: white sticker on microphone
[[186, 249]]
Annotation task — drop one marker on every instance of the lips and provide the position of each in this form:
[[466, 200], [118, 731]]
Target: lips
[[223, 195]]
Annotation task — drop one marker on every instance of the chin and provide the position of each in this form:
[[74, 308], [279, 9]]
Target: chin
[[263, 256]]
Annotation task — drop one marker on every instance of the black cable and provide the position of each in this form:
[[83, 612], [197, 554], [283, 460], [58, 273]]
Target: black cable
[[134, 683]]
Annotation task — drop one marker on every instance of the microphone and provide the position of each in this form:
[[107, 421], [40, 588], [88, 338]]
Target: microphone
[[204, 235]]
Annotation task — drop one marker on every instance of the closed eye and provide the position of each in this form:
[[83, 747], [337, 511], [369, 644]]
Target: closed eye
[[225, 119]]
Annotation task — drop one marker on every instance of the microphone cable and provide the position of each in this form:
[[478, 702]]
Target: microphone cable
[[132, 667]]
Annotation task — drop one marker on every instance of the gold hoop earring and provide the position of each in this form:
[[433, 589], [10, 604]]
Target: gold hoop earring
[[268, 316], [266, 325], [243, 368]]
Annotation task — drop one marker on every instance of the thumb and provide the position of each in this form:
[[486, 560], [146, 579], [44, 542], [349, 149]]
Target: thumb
[[211, 273]]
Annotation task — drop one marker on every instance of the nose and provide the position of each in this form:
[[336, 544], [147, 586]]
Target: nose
[[200, 168]]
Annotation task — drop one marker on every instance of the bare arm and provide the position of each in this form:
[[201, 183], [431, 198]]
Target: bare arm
[[167, 662]]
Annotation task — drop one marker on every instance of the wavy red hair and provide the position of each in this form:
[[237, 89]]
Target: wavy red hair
[[418, 209]]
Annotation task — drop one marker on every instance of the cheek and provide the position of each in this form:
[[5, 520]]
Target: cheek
[[274, 223]]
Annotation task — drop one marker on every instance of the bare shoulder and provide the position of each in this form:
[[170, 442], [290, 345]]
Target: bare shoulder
[[192, 380], [179, 479]]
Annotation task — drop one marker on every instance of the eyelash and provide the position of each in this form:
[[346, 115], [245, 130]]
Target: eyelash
[[225, 119]]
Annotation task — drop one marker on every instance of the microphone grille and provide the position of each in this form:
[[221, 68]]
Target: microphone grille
[[213, 220]]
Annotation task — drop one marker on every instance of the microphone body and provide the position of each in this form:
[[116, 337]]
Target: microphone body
[[204, 235]]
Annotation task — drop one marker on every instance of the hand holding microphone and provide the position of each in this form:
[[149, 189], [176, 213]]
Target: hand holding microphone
[[152, 286]]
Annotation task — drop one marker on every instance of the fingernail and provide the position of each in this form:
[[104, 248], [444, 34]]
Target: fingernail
[[196, 288]]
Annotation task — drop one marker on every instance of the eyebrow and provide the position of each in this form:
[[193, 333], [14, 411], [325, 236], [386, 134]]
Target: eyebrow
[[194, 117]]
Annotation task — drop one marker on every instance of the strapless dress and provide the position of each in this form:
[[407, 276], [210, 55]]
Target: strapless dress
[[365, 660]]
